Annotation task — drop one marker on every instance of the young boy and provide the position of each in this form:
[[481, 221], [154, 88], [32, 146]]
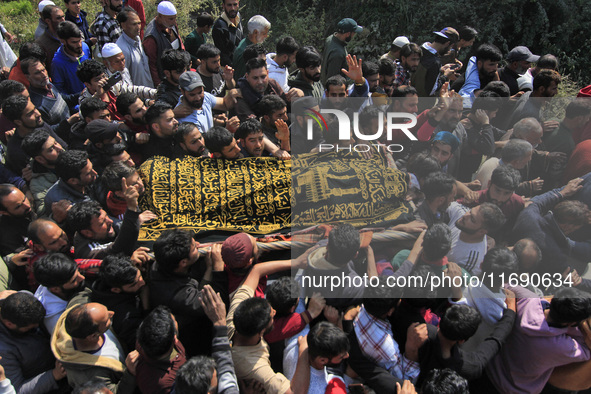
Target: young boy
[[198, 36]]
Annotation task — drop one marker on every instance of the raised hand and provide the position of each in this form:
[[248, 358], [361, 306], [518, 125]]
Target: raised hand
[[355, 72]]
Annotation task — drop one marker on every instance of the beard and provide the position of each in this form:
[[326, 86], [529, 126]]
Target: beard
[[75, 50], [313, 77], [117, 8], [197, 104], [212, 70], [464, 229], [69, 293], [232, 14]]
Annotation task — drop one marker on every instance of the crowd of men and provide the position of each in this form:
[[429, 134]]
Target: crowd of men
[[500, 194]]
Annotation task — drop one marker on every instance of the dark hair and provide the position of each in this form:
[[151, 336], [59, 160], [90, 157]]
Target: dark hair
[[207, 51], [22, 309], [155, 112], [113, 174], [492, 215], [545, 78], [437, 184], [34, 227], [204, 19], [253, 51], [92, 104], [386, 66], [422, 164], [70, 163], [175, 60], [378, 300], [48, 11], [32, 49], [194, 377], [404, 91], [368, 114], [79, 323], [409, 49], [14, 106], [5, 190], [33, 143], [488, 52], [248, 127], [343, 244], [124, 101], [217, 138], [26, 63], [437, 242], [286, 46], [444, 381], [117, 271], [370, 68], [308, 57], [123, 15], [90, 69], [252, 316], [548, 61], [94, 386], [460, 322], [279, 294], [67, 30], [499, 87], [156, 333], [467, 33], [9, 88], [255, 64], [577, 107], [505, 177], [415, 293], [184, 129], [570, 305], [499, 263], [488, 101], [171, 247], [111, 150], [335, 80], [269, 104], [326, 340], [54, 269], [81, 214], [571, 212]]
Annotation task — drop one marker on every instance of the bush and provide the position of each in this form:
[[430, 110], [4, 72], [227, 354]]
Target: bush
[[16, 8]]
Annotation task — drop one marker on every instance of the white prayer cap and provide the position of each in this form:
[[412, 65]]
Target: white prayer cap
[[166, 8], [401, 41], [45, 3], [110, 49]]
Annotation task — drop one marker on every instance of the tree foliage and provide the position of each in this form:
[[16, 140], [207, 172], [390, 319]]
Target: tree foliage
[[560, 27]]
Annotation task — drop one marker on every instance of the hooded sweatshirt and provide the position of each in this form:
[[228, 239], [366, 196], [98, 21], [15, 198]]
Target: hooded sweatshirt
[[533, 349]]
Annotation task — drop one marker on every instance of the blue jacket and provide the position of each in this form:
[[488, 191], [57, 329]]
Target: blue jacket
[[82, 24], [63, 71], [471, 84]]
